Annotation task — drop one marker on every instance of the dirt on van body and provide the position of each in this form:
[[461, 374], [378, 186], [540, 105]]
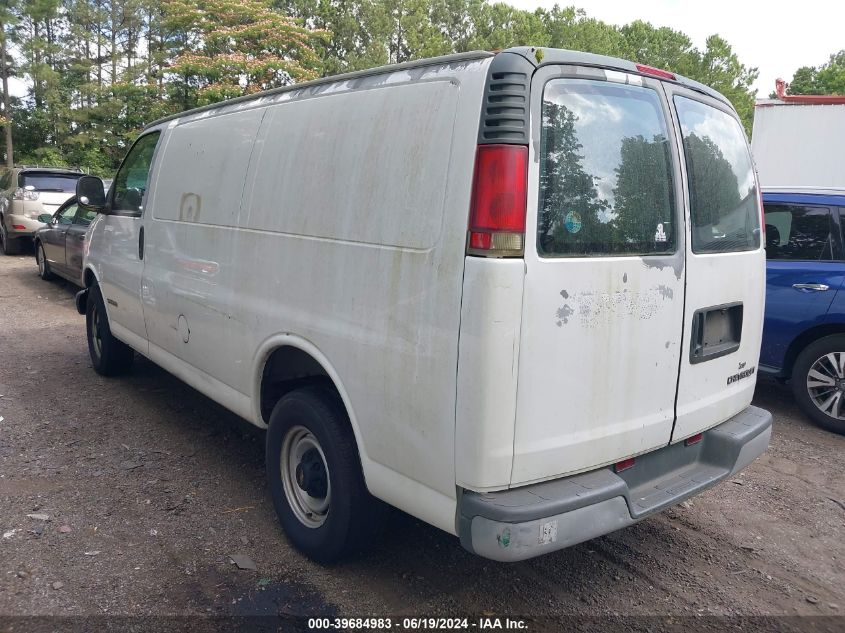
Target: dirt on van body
[[128, 496]]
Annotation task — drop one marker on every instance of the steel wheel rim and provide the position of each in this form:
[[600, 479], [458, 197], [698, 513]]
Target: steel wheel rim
[[39, 256], [95, 331], [301, 447], [826, 384]]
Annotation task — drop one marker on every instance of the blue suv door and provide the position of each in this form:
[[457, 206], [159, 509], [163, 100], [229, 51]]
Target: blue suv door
[[804, 270]]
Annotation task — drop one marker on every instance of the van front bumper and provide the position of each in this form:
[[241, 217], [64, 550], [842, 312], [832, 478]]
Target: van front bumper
[[524, 522]]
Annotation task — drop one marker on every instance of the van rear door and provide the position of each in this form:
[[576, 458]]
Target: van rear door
[[603, 300], [723, 318]]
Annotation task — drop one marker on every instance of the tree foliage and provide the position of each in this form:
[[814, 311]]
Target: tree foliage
[[99, 70], [827, 79]]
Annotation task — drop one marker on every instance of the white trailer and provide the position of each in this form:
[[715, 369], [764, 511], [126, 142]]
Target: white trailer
[[797, 140]]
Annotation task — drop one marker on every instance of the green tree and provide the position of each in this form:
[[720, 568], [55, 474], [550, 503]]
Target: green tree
[[720, 68], [236, 48], [827, 79]]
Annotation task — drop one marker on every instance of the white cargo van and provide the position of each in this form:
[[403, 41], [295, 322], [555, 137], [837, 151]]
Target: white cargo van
[[518, 296]]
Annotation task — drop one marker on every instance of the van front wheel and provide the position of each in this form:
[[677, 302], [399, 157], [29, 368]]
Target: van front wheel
[[818, 382], [109, 356], [315, 479]]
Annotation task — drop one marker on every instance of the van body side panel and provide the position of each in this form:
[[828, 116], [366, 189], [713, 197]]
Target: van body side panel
[[350, 235], [488, 364], [601, 327], [712, 389], [191, 270], [357, 210]]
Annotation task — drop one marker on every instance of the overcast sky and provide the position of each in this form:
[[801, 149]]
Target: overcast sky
[[772, 36]]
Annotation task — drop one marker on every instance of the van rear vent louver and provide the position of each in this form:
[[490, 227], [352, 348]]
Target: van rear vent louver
[[504, 113]]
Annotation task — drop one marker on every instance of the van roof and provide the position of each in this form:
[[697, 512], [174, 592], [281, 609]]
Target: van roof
[[431, 61], [537, 56]]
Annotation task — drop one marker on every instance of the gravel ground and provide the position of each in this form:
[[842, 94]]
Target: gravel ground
[[148, 488]]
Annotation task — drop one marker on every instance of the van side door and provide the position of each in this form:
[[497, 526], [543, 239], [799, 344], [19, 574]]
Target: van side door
[[804, 272], [121, 248]]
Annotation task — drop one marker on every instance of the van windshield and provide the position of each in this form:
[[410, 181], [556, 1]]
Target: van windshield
[[722, 188], [606, 185]]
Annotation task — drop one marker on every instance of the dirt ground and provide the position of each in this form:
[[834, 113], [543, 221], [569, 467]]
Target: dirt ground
[[148, 487]]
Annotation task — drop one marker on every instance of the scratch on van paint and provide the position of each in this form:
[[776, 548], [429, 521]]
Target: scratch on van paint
[[595, 309], [563, 314]]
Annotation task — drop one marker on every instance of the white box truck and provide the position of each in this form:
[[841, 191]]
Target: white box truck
[[516, 295]]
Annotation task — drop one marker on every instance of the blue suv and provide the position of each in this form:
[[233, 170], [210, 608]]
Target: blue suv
[[804, 332]]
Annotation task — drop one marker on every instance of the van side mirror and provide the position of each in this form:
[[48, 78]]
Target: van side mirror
[[90, 194], [46, 218]]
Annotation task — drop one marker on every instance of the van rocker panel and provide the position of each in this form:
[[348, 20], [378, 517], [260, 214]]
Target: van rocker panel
[[529, 521]]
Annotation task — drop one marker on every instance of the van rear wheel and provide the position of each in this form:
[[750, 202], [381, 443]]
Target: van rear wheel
[[109, 356], [818, 382], [315, 479]]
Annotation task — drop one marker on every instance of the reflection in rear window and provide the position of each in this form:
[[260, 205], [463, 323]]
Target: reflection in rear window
[[65, 183], [723, 192], [605, 171]]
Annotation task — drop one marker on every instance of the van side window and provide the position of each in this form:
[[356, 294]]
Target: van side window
[[722, 188], [606, 185], [799, 232], [130, 183]]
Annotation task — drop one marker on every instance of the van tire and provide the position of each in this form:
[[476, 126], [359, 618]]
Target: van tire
[[800, 370], [109, 356], [352, 517], [43, 265]]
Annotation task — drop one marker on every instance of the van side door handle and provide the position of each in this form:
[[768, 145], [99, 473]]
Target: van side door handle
[[818, 287], [141, 243]]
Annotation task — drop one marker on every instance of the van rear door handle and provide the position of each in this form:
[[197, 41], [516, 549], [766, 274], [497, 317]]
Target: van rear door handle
[[819, 287]]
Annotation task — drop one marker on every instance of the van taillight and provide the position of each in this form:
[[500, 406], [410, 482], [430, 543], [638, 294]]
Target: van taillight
[[656, 72], [499, 194]]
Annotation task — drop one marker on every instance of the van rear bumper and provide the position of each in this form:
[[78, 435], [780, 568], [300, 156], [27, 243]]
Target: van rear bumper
[[524, 522]]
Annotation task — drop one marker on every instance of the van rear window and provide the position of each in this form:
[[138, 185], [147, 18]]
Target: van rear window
[[605, 171], [722, 188]]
